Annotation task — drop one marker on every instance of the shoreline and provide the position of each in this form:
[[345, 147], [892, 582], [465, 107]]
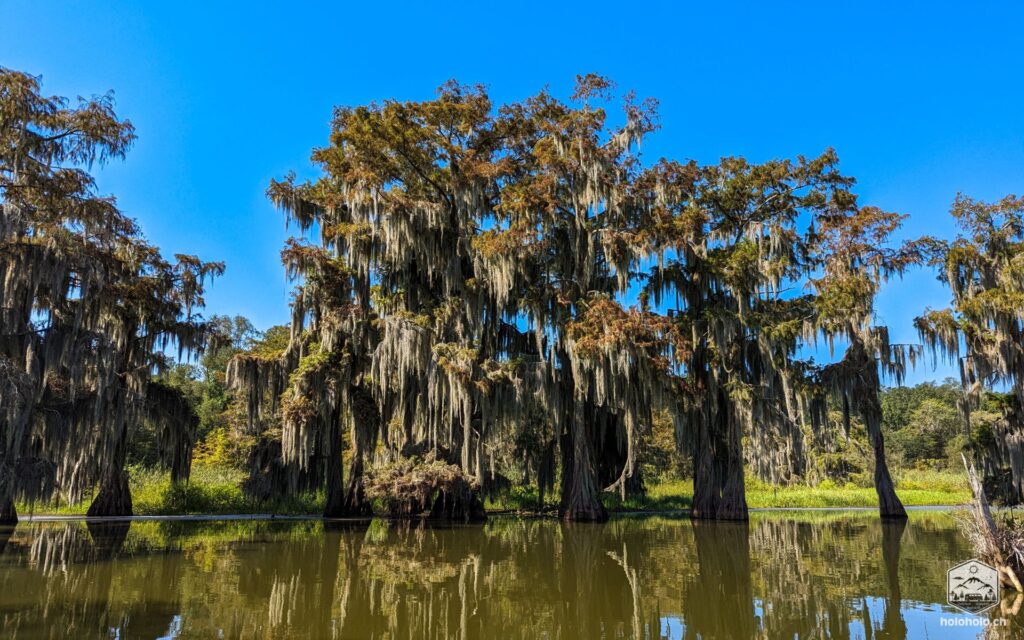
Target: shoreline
[[200, 517]]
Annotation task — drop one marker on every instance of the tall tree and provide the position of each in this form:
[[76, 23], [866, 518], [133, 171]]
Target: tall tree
[[733, 257], [459, 251], [854, 256], [983, 329], [568, 224], [88, 307]]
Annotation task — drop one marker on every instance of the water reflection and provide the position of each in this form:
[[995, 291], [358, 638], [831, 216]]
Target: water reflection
[[780, 576]]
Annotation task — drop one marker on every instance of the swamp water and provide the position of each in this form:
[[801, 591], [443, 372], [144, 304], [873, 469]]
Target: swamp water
[[783, 575]]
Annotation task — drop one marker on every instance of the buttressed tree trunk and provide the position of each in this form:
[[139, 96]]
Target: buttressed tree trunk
[[334, 504], [733, 505], [114, 497], [580, 501], [8, 514], [719, 492], [705, 489], [365, 427]]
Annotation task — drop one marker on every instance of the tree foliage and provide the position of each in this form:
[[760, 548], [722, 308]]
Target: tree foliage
[[469, 284], [88, 307], [508, 292], [983, 329]]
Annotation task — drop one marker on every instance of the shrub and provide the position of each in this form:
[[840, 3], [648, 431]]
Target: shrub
[[409, 488]]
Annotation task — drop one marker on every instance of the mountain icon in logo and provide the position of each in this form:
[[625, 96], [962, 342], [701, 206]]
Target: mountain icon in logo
[[972, 586]]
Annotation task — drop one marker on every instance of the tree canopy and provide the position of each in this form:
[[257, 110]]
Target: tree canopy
[[472, 278], [983, 329], [487, 295], [88, 307]]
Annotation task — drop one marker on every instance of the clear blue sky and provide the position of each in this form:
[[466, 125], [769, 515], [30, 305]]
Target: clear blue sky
[[920, 101]]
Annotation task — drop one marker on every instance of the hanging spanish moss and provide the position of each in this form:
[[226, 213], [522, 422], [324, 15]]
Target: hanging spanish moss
[[176, 423], [983, 330], [458, 250], [855, 381], [88, 308], [728, 253], [854, 258]]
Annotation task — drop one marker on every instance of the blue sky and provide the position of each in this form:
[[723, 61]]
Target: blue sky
[[920, 101]]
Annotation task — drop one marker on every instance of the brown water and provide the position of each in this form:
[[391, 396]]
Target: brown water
[[785, 575]]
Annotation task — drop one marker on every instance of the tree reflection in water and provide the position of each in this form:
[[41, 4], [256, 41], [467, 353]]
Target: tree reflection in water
[[719, 599], [780, 576]]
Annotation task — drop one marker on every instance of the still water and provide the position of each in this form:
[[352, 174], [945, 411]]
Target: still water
[[783, 575]]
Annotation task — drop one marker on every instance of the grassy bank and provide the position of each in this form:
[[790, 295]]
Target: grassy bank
[[919, 488], [210, 491], [216, 491]]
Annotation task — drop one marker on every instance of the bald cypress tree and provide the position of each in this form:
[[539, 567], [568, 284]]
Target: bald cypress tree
[[385, 292], [983, 328], [574, 218], [855, 256], [88, 307], [470, 251], [733, 257]]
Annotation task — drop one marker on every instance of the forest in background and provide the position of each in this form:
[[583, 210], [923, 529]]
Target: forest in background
[[496, 303]]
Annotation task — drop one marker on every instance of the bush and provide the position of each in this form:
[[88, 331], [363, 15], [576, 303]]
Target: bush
[[432, 487]]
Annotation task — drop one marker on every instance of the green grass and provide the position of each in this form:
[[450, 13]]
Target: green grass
[[918, 488], [209, 491], [216, 491]]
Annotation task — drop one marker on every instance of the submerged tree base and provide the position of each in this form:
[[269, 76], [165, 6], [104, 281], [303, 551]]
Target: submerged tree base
[[890, 509], [8, 514], [718, 496], [585, 513], [731, 511], [114, 498]]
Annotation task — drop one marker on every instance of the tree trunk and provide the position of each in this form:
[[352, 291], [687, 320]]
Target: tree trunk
[[356, 503], [733, 505], [635, 483], [865, 392], [6, 532], [580, 501], [988, 542], [365, 427], [889, 505], [114, 497], [334, 505], [719, 492], [705, 491], [8, 514], [9, 452]]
